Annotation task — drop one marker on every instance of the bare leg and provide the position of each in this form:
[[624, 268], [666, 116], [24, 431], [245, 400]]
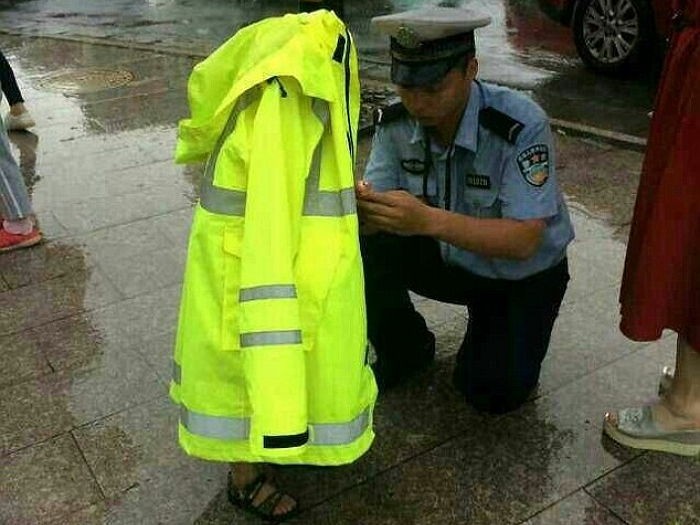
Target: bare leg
[[680, 407]]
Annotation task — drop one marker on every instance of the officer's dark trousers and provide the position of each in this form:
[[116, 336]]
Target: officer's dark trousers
[[510, 322]]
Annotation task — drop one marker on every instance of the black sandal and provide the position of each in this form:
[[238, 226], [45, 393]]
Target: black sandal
[[244, 498]]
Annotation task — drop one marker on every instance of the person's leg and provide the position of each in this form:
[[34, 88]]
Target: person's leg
[[679, 406], [672, 424], [17, 229], [682, 401], [14, 199], [398, 333], [510, 324], [18, 118], [251, 489]]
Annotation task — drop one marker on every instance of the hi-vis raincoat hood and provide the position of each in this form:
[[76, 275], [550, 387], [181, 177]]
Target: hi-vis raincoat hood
[[270, 358]]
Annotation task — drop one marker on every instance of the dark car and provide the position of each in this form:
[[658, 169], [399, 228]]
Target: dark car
[[614, 36]]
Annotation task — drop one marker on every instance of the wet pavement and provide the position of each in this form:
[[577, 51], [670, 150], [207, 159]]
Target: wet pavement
[[522, 48], [88, 435]]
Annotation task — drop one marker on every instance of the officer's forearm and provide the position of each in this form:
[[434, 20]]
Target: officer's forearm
[[502, 238]]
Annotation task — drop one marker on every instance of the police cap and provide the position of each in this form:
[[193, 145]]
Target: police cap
[[426, 43]]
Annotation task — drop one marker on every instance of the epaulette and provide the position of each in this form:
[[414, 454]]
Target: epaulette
[[501, 124], [389, 113]]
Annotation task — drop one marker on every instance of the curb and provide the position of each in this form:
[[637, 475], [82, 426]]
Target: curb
[[565, 127]]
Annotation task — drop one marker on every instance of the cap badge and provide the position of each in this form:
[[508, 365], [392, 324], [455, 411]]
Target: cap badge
[[408, 38]]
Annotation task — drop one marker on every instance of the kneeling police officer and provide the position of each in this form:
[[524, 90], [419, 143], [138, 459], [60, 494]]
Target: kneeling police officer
[[460, 203]]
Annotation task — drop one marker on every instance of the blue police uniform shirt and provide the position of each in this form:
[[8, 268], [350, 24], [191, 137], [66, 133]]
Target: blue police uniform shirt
[[490, 177]]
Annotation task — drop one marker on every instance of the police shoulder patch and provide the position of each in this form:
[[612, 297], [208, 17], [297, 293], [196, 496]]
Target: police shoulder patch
[[534, 164]]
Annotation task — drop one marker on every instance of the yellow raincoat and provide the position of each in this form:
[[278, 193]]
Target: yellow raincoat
[[270, 358]]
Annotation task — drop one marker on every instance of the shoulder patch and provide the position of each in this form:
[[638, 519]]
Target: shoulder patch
[[389, 113], [501, 124], [534, 164]]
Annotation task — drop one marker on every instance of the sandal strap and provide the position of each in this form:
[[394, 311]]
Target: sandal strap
[[245, 497], [269, 505], [247, 494]]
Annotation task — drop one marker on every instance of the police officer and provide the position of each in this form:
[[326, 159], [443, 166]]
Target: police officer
[[460, 203]]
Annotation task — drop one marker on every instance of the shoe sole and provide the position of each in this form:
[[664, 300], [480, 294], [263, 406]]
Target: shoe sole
[[26, 244], [661, 445]]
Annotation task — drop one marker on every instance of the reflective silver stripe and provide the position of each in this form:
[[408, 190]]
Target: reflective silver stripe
[[317, 203], [230, 428], [177, 373], [222, 201], [216, 427], [340, 433], [330, 203], [274, 291], [281, 337]]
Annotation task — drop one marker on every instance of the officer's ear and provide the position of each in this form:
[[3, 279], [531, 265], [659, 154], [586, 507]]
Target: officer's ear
[[472, 67]]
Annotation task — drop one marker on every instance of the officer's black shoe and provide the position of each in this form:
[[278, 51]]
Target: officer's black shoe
[[391, 373], [492, 400]]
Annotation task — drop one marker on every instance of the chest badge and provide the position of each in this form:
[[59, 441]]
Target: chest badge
[[481, 182], [414, 166]]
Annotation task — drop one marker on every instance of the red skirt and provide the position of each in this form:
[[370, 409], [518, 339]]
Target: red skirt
[[661, 282]]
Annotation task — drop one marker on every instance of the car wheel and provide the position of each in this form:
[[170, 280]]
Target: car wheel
[[612, 36]]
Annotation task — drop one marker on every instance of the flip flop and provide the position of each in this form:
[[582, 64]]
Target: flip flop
[[636, 428]]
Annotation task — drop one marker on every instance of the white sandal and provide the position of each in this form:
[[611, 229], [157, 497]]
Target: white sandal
[[636, 428]]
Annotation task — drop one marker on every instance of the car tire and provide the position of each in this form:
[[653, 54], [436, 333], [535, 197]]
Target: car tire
[[613, 36]]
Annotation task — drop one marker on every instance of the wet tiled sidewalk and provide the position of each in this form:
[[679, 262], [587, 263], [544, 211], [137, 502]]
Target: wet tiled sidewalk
[[88, 435]]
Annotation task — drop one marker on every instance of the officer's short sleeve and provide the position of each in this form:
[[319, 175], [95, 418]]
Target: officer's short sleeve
[[383, 167], [529, 187]]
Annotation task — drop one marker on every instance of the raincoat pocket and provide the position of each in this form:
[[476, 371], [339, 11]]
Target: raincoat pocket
[[230, 332]]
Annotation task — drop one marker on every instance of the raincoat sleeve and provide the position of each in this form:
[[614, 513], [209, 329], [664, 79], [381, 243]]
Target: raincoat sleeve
[[284, 135]]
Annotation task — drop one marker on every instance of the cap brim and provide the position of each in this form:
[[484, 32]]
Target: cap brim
[[414, 74]]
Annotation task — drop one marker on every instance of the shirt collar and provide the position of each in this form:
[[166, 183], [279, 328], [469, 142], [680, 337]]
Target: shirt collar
[[469, 127]]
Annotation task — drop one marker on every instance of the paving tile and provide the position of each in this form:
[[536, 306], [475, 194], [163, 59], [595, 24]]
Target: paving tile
[[585, 337], [409, 420], [54, 299], [158, 353], [567, 423], [577, 509], [123, 240], [176, 226], [22, 359], [53, 404], [41, 263], [594, 265], [43, 481], [103, 212], [445, 485], [138, 450], [170, 504], [130, 322], [654, 489], [148, 271]]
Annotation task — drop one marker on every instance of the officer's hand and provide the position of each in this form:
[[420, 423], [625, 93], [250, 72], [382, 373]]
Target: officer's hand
[[396, 212], [362, 189]]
